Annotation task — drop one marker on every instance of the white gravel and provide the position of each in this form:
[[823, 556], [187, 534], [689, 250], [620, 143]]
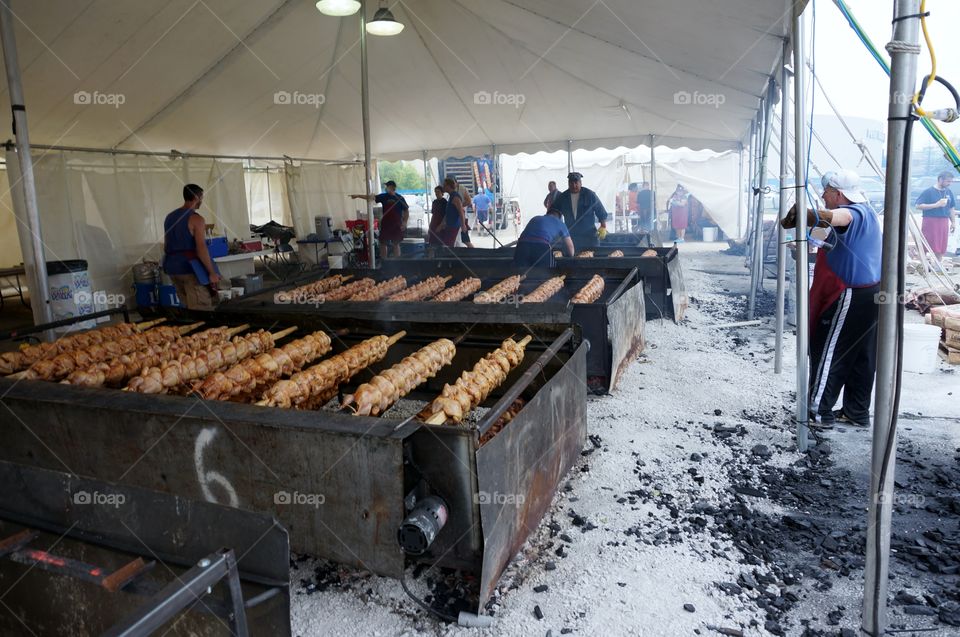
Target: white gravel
[[611, 584]]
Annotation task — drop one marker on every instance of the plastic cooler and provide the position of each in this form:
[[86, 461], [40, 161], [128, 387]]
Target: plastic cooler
[[70, 293]]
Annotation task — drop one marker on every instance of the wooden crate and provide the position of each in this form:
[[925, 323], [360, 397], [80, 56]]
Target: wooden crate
[[949, 354], [940, 314]]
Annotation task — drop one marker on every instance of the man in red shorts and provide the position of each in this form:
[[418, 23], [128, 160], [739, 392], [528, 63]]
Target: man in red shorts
[[393, 223]]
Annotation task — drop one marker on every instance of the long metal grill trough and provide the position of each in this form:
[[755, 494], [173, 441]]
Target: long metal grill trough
[[342, 484], [613, 324], [665, 293]]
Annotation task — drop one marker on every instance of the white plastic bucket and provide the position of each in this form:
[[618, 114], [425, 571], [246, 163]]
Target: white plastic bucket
[[710, 233], [335, 261], [920, 343]]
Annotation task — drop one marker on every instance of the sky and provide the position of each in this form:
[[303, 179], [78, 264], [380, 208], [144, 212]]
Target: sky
[[855, 82]]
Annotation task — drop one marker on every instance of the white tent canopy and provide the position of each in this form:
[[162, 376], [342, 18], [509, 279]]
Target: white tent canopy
[[275, 77], [711, 177]]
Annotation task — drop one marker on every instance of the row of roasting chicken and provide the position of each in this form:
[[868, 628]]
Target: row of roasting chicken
[[11, 362], [220, 364], [336, 288]]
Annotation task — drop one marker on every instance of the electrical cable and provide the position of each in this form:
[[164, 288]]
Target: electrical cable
[[928, 80], [953, 156], [422, 604]]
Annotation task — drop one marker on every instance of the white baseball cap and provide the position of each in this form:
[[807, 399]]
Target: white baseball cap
[[847, 182]]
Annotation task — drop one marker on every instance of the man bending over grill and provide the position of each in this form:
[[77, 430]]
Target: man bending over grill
[[535, 245]]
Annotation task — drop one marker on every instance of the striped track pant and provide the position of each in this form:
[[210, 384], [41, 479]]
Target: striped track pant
[[843, 355]]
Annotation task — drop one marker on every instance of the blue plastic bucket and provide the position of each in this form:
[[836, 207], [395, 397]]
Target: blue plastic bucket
[[146, 294], [168, 296]]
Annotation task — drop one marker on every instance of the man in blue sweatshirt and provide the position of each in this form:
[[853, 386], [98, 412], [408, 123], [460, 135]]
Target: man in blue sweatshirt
[[580, 207]]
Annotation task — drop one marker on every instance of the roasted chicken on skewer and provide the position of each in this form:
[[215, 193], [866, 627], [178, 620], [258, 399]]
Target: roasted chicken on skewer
[[473, 386], [591, 291], [504, 419], [421, 291], [252, 374], [500, 291], [172, 374], [545, 290], [316, 385], [381, 290], [310, 291], [116, 372], [459, 291], [11, 362], [390, 385], [63, 364], [344, 292], [616, 253], [585, 254]]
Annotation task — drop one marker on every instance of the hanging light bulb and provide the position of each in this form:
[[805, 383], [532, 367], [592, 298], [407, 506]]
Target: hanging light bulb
[[384, 23], [338, 8]]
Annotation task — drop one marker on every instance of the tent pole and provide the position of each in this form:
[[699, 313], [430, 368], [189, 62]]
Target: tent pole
[[426, 178], [781, 233], [800, 236], [569, 156], [365, 114], [903, 51], [35, 260], [740, 194], [750, 172], [759, 246], [755, 210], [653, 189], [493, 175]]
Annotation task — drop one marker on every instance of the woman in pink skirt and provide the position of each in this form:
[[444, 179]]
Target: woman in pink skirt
[[938, 205], [679, 206]]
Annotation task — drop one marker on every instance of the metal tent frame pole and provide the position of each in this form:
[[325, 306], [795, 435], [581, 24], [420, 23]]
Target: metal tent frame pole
[[653, 188], [800, 238], [365, 114], [750, 175], [903, 50], [759, 248], [740, 193], [36, 260], [426, 184], [493, 216], [781, 233], [569, 155]]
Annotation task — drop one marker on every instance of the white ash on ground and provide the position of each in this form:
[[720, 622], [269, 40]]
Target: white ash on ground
[[691, 511]]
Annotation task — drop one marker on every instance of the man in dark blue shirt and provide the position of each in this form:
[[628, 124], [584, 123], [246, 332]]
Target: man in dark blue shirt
[[185, 241], [393, 223], [535, 245], [939, 213], [580, 207]]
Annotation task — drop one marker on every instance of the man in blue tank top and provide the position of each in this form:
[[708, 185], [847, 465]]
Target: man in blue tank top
[[843, 303], [184, 241]]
